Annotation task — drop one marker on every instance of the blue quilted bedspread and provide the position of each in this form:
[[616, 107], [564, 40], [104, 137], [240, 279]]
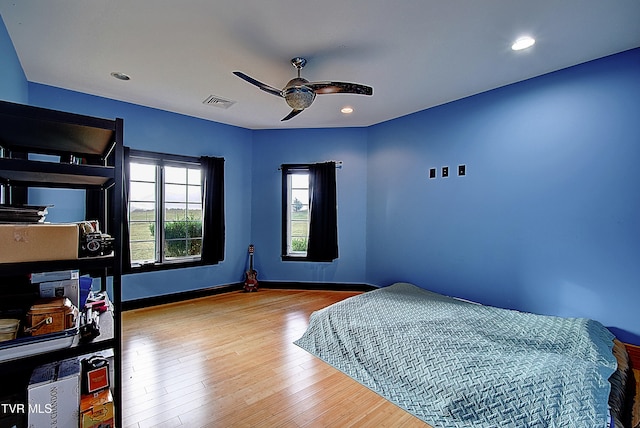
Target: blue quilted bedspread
[[458, 364]]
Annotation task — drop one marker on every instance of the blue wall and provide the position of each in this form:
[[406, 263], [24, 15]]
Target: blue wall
[[546, 219], [13, 83], [272, 148], [161, 131]]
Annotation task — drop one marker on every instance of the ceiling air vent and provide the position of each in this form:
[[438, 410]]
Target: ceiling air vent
[[213, 100]]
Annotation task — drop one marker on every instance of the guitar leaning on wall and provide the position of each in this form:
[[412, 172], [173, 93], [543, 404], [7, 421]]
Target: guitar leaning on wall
[[251, 276]]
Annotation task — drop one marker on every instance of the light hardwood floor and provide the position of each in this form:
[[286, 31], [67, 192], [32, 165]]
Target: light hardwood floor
[[228, 361]]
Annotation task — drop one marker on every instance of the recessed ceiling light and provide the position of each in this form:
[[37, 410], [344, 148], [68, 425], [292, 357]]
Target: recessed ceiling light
[[121, 76], [347, 110], [523, 43]]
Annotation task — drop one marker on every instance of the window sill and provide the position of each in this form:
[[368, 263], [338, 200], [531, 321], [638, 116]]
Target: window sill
[[294, 258], [154, 267], [303, 259]]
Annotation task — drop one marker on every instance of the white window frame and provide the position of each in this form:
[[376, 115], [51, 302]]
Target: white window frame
[[162, 161], [288, 253]]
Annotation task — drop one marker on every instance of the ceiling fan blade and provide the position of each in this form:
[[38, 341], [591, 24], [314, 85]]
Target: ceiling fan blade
[[339, 87], [293, 113], [263, 86]]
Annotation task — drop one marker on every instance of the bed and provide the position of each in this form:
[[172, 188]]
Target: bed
[[454, 363]]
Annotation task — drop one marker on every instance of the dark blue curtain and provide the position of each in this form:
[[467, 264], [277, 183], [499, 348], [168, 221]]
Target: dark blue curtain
[[213, 228], [323, 203]]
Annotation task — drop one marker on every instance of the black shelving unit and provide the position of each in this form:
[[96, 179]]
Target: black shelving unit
[[99, 143]]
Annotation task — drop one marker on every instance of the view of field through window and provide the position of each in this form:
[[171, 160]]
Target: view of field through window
[[176, 205], [298, 223]]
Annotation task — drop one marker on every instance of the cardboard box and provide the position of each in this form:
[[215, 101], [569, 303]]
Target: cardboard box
[[38, 242], [54, 395], [96, 410], [69, 288]]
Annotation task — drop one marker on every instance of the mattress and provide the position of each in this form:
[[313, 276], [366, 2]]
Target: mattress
[[456, 364]]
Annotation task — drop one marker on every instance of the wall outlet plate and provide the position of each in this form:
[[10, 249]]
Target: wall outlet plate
[[432, 173], [445, 171], [462, 170]]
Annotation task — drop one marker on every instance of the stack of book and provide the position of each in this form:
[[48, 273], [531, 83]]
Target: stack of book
[[22, 213]]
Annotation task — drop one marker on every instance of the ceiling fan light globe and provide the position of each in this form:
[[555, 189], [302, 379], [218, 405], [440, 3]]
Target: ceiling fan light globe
[[299, 98]]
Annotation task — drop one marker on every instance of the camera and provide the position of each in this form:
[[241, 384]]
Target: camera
[[93, 242], [96, 244]]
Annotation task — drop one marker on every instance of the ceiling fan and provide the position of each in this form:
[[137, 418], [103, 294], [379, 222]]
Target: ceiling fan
[[299, 93]]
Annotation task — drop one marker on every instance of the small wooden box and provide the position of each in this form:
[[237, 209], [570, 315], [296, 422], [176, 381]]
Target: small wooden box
[[51, 316]]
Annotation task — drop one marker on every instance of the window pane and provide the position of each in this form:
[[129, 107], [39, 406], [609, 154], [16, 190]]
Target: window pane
[[194, 229], [182, 248], [142, 191], [300, 215], [175, 175], [300, 195], [300, 228], [300, 180], [195, 212], [299, 245], [142, 172], [179, 229], [143, 251], [175, 230], [175, 248], [175, 193], [194, 176], [175, 212], [299, 209], [195, 245], [141, 230], [194, 194], [142, 211]]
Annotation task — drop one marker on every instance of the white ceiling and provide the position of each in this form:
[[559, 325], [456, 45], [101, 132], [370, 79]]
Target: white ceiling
[[414, 53]]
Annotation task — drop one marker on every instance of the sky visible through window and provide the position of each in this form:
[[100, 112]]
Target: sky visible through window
[[143, 186]]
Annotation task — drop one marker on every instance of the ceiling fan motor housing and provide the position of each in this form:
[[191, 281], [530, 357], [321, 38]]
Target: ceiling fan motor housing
[[297, 95]]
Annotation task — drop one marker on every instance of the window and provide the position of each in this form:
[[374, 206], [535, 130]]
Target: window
[[309, 212], [164, 209], [297, 212]]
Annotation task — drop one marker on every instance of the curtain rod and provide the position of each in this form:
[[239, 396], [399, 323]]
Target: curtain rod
[[302, 165]]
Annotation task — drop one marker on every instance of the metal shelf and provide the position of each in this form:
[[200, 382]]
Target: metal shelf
[[21, 172], [86, 264], [34, 129], [99, 144]]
